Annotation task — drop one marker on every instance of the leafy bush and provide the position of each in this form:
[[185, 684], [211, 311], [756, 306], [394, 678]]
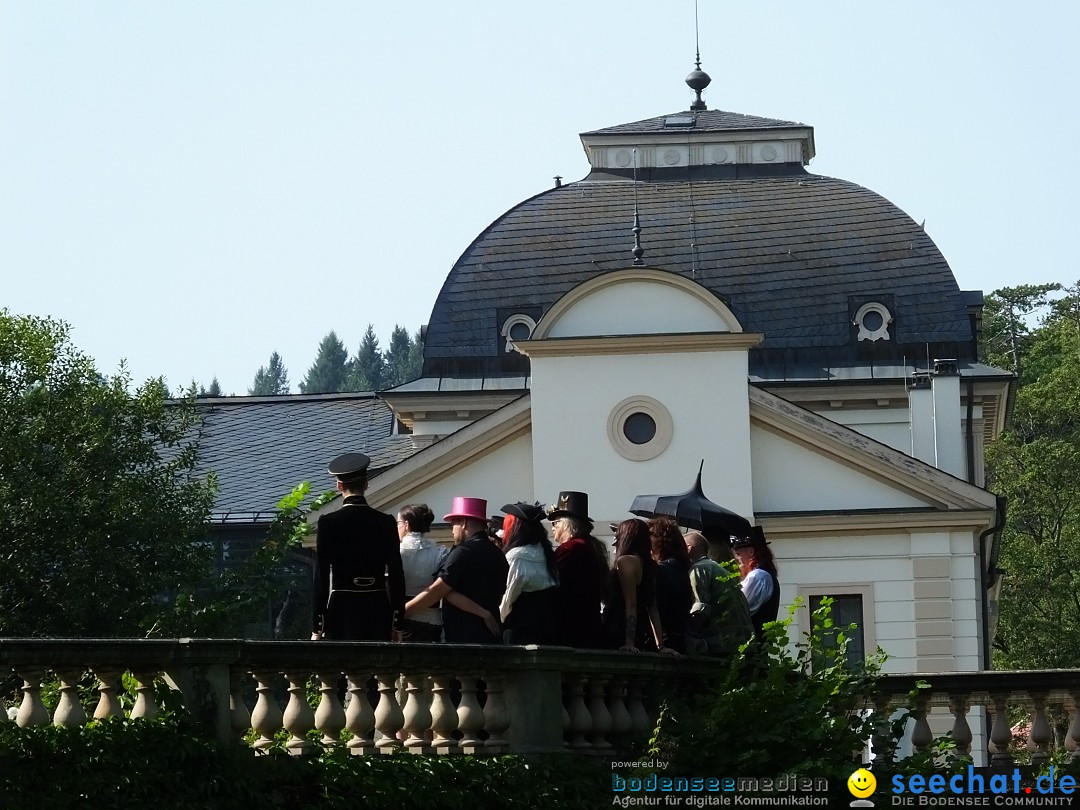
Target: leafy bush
[[164, 763], [781, 711]]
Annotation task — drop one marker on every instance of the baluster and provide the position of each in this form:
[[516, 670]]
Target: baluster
[[640, 724], [921, 735], [145, 700], [1041, 735], [108, 704], [444, 718], [359, 718], [601, 717], [239, 716], [330, 716], [32, 711], [266, 717], [621, 723], [417, 716], [470, 716], [388, 716], [580, 721], [69, 710], [961, 731], [565, 727], [496, 714], [1000, 733], [1072, 737], [298, 719]]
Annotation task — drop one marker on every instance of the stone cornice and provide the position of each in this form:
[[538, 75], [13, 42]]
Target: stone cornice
[[885, 521], [640, 344]]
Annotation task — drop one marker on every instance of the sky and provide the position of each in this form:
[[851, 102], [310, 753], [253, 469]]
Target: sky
[[194, 185]]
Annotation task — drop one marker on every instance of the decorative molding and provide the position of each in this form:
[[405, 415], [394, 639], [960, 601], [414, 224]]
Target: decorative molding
[[865, 332], [672, 157], [640, 344], [656, 411], [510, 323], [885, 521]]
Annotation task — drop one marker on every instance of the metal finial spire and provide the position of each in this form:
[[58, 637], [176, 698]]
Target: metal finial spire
[[638, 250], [698, 79]]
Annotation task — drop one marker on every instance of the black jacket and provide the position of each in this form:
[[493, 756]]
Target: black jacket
[[357, 556]]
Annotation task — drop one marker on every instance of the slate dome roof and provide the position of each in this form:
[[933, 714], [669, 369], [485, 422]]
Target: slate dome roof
[[793, 255]]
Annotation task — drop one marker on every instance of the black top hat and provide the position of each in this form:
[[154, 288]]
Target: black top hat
[[348, 466], [570, 504], [529, 512], [755, 538]]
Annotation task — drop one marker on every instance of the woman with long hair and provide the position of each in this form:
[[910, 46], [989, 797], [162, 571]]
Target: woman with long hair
[[631, 610], [583, 572], [528, 604], [674, 597], [760, 585]]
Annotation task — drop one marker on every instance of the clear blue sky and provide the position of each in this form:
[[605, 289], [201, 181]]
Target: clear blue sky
[[193, 185]]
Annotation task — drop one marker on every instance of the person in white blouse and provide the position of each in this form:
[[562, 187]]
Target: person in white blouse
[[528, 605], [420, 557], [760, 585]]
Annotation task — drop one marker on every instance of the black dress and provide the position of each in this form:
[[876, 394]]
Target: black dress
[[615, 610], [674, 598], [359, 582]]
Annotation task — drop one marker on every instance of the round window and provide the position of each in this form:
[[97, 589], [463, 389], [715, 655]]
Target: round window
[[639, 428], [519, 331]]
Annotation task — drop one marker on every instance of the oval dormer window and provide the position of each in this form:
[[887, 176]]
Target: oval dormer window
[[517, 327], [872, 319]]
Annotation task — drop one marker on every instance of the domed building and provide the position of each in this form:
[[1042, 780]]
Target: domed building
[[700, 300]]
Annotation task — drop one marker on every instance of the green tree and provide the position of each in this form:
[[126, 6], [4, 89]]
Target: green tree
[[399, 358], [213, 391], [1035, 464], [270, 380], [330, 371], [369, 366], [416, 355], [1006, 323], [104, 520]]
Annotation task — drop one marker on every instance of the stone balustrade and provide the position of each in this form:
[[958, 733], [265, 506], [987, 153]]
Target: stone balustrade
[[964, 694], [423, 698]]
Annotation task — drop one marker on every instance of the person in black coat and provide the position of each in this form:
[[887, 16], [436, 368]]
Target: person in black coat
[[359, 582]]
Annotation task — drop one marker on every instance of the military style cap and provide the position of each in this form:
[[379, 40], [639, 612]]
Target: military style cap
[[348, 465]]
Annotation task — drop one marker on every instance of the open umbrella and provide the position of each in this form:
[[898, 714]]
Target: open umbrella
[[693, 509]]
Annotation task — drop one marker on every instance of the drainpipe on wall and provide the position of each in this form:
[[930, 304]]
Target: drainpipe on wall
[[991, 578]]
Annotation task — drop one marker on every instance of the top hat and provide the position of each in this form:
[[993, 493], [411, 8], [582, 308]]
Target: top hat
[[570, 504], [756, 539], [348, 465], [471, 508], [528, 512]]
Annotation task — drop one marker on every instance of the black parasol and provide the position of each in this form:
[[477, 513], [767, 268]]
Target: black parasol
[[692, 509]]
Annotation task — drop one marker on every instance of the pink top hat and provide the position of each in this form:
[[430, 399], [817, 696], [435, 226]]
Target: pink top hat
[[475, 508]]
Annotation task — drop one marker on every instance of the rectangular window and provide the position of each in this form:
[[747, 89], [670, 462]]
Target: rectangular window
[[847, 610]]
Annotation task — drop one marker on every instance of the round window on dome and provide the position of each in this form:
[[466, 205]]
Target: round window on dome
[[640, 428]]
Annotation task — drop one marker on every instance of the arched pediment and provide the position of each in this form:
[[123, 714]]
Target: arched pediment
[[639, 301]]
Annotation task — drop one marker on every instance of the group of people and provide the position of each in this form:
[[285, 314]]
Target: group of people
[[506, 581]]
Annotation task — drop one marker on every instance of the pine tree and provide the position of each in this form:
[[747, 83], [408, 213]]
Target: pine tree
[[397, 357], [270, 380], [416, 356], [330, 372], [368, 367], [213, 391]]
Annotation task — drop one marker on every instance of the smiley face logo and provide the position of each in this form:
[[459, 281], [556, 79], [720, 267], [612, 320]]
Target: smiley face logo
[[861, 783]]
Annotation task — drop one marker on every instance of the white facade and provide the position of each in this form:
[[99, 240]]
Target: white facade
[[850, 509]]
